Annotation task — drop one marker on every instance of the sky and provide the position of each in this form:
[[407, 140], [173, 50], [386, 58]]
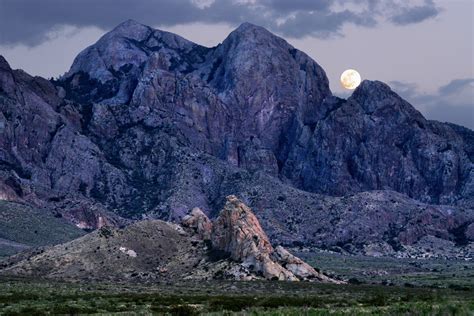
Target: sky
[[424, 49]]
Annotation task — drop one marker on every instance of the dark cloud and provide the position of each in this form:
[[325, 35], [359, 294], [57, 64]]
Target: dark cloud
[[285, 6], [453, 102], [405, 89], [322, 25], [457, 85], [415, 14], [30, 21]]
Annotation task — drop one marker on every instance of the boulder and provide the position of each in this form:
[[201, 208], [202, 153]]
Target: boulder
[[199, 222]]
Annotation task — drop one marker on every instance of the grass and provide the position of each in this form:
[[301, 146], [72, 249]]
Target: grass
[[25, 226], [21, 297], [454, 273]]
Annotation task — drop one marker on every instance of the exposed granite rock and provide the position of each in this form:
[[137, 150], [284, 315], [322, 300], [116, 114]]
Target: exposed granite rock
[[298, 267], [238, 232], [198, 221]]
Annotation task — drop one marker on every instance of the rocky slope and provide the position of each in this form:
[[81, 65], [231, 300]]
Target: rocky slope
[[149, 125], [370, 223], [155, 250]]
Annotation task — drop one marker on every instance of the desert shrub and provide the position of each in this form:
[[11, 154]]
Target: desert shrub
[[65, 309], [229, 303], [378, 299], [458, 287], [354, 281], [183, 310]]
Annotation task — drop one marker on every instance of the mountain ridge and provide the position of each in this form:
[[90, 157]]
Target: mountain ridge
[[162, 129]]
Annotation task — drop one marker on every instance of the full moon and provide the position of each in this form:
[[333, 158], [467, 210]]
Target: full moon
[[350, 79]]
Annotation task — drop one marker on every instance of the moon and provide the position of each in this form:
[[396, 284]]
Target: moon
[[350, 79]]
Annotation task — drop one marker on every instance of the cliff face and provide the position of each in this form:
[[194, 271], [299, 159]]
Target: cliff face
[[146, 123], [260, 104], [386, 144]]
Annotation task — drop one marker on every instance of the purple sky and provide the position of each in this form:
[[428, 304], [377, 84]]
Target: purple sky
[[423, 48]]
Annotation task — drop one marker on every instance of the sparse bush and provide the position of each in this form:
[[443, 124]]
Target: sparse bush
[[354, 281], [183, 310]]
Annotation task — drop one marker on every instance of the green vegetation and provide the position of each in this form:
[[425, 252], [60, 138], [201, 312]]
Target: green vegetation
[[22, 226], [21, 297]]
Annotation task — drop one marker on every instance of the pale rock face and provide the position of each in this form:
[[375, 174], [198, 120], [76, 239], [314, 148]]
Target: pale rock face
[[199, 222], [238, 232], [298, 267], [128, 252]]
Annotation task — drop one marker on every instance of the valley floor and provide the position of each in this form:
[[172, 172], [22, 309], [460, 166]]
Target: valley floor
[[39, 297], [379, 286], [408, 272]]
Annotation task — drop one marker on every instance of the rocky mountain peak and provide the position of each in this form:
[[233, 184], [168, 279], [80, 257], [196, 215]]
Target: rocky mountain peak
[[249, 37], [246, 29], [130, 24], [373, 95], [7, 82], [372, 89], [122, 51], [130, 29], [4, 66]]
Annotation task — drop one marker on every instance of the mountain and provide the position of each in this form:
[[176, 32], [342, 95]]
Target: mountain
[[147, 124], [233, 247]]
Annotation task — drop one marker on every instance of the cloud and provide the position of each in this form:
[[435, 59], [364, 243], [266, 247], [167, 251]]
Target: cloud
[[31, 22], [415, 14], [321, 24], [453, 102], [458, 85]]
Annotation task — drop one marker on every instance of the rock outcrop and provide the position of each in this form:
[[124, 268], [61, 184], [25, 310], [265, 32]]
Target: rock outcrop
[[296, 266], [199, 222], [237, 232]]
